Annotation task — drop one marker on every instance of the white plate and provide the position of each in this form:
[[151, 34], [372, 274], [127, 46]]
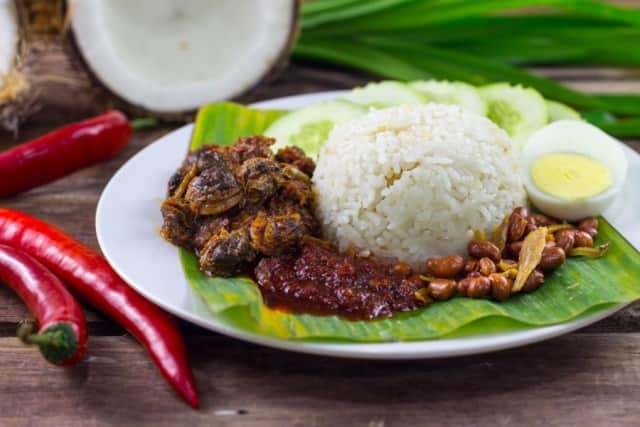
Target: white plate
[[128, 220]]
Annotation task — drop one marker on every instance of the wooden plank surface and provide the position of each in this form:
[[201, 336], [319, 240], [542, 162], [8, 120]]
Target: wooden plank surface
[[587, 378], [582, 379]]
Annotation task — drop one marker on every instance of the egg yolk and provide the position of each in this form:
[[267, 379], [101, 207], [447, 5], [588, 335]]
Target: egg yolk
[[570, 176]]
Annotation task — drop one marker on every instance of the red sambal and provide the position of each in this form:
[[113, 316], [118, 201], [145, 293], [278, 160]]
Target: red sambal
[[320, 280]]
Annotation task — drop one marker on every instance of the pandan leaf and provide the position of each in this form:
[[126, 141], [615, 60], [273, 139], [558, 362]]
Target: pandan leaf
[[580, 286], [420, 13], [619, 127], [362, 57]]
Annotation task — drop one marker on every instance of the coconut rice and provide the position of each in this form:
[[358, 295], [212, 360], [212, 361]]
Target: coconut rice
[[415, 181]]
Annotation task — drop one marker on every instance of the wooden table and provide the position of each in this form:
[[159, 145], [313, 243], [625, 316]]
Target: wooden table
[[588, 378]]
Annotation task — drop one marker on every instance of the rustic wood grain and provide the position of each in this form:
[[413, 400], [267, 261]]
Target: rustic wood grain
[[586, 379]]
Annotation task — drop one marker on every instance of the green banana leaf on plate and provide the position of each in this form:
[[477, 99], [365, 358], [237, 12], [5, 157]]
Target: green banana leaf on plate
[[581, 286]]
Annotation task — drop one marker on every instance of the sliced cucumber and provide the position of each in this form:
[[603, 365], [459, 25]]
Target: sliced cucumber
[[518, 110], [385, 94], [309, 127], [559, 111], [458, 93]]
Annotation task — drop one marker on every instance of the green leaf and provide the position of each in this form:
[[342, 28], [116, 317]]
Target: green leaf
[[312, 7], [496, 28], [578, 287], [323, 12], [362, 57], [534, 49], [625, 104], [422, 13], [524, 39], [227, 121], [622, 128]]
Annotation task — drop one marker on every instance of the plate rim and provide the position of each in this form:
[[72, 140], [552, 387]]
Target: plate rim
[[399, 350]]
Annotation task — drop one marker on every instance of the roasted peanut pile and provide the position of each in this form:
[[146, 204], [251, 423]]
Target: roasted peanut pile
[[526, 247]]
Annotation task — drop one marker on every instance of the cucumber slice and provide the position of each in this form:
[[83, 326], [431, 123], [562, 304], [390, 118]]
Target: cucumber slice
[[457, 93], [385, 94], [309, 127], [516, 109], [559, 111]]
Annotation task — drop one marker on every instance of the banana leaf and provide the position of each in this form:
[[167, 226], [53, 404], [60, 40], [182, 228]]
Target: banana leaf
[[580, 286]]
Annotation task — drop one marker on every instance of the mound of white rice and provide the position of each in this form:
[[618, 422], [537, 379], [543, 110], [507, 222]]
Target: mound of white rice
[[415, 181]]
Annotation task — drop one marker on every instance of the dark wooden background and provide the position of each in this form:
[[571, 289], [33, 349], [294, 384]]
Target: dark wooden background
[[588, 378]]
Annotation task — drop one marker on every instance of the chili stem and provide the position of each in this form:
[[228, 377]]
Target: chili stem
[[50, 338], [25, 329]]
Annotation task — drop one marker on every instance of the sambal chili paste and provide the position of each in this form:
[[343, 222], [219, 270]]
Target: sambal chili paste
[[320, 280]]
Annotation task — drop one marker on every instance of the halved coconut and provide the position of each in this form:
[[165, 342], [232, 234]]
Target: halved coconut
[[171, 56]]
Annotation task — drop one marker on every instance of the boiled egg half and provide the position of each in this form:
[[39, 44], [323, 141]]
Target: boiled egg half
[[572, 169]]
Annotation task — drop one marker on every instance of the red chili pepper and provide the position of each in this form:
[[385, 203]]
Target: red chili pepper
[[62, 337], [92, 279], [62, 151]]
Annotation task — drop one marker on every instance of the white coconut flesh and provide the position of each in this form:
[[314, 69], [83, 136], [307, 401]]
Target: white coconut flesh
[[8, 39], [175, 55]]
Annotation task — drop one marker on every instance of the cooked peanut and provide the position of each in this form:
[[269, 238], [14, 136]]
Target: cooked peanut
[[589, 225], [441, 289], [446, 267], [486, 266], [565, 239], [470, 266], [583, 239], [463, 286], [500, 286], [422, 295], [517, 227], [543, 220], [483, 248], [522, 211], [531, 225], [514, 248], [403, 269], [535, 279], [552, 258], [479, 287]]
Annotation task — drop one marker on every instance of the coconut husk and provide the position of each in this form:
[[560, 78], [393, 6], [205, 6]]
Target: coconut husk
[[46, 74]]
